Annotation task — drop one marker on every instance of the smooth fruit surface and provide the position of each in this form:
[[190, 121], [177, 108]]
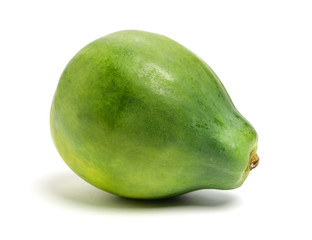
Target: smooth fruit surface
[[139, 115]]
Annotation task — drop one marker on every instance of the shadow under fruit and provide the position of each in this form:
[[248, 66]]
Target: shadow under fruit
[[138, 115]]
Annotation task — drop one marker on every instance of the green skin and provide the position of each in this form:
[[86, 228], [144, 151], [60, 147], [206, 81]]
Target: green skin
[[138, 115]]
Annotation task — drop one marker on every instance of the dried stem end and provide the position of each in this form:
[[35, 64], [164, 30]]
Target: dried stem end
[[254, 162]]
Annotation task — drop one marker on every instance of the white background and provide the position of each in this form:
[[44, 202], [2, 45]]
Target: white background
[[261, 51]]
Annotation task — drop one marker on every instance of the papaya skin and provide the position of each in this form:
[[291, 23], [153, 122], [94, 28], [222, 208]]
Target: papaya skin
[[138, 115]]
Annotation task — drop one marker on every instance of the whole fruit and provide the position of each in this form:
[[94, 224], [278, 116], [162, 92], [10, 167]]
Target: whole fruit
[[138, 115]]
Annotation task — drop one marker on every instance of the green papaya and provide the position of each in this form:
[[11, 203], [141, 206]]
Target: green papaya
[[138, 115]]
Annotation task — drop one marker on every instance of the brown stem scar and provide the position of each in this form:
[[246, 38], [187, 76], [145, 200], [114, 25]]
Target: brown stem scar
[[254, 162]]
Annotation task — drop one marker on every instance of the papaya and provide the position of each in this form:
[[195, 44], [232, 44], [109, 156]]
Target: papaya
[[138, 115]]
